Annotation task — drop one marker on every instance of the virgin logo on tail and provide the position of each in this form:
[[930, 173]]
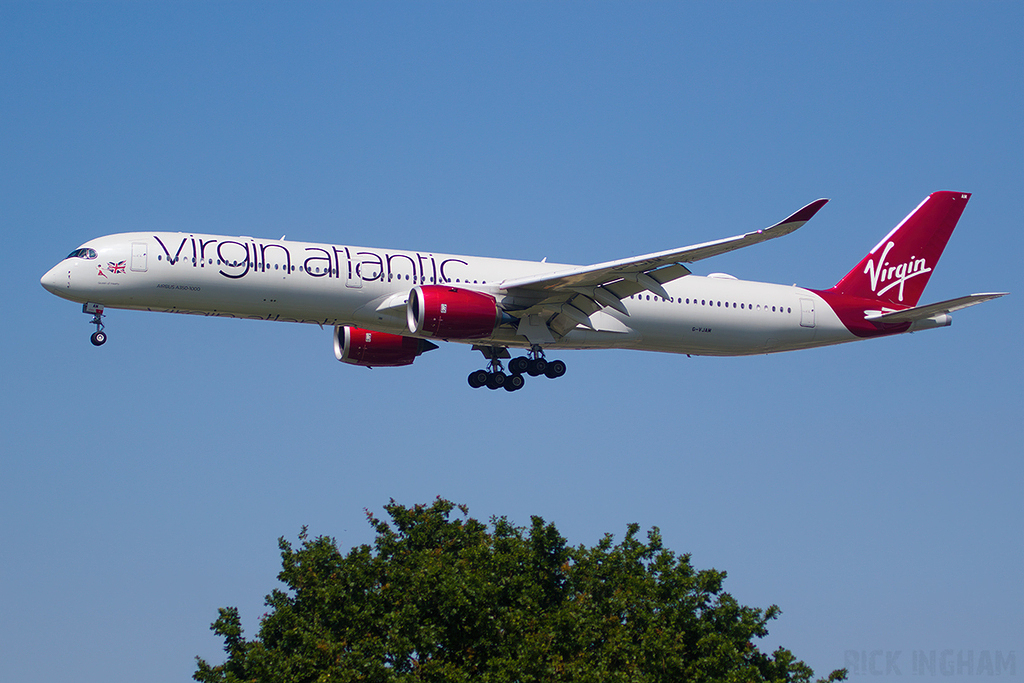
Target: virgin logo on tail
[[910, 250], [882, 272]]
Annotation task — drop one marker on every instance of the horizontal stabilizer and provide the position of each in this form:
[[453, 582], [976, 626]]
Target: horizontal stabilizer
[[932, 310]]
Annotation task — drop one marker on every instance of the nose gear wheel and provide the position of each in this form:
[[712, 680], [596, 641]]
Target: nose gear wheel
[[99, 337]]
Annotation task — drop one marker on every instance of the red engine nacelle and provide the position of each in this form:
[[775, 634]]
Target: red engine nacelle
[[376, 349], [451, 313]]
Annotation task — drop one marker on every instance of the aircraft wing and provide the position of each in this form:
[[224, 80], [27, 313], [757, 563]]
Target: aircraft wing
[[603, 273], [576, 293], [931, 310]]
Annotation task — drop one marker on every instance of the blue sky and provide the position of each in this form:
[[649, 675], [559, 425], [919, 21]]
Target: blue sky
[[872, 491]]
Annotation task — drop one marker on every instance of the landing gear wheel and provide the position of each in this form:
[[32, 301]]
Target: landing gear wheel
[[477, 378], [96, 311], [555, 369], [514, 382], [519, 365], [537, 367], [496, 380]]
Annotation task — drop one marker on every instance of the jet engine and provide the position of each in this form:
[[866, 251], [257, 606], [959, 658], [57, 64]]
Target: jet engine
[[376, 349], [451, 313]]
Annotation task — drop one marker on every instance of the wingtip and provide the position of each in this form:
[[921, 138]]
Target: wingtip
[[805, 214]]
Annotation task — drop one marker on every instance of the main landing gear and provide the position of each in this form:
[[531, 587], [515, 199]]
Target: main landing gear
[[99, 337], [534, 364]]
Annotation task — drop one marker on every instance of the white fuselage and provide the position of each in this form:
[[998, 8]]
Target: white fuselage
[[327, 284]]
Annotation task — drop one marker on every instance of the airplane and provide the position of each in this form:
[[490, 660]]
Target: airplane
[[386, 306]]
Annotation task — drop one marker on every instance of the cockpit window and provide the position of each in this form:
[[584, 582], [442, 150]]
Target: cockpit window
[[83, 253]]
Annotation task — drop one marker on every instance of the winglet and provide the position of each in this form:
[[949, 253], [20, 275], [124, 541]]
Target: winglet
[[788, 225], [807, 213]]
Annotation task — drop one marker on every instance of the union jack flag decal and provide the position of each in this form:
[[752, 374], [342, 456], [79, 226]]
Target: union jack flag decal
[[115, 267]]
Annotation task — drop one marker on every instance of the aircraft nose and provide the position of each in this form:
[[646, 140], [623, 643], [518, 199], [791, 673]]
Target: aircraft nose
[[56, 279]]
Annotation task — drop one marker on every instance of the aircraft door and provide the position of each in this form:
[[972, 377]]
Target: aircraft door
[[806, 312], [139, 251]]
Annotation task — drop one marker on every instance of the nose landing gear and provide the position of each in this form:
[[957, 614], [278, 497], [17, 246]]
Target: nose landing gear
[[533, 364], [99, 337]]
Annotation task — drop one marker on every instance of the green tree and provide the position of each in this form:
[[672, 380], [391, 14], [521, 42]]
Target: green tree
[[443, 597]]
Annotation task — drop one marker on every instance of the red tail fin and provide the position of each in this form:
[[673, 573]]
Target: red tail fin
[[897, 269]]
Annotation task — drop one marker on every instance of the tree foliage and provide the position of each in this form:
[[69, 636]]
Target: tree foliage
[[443, 597]]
